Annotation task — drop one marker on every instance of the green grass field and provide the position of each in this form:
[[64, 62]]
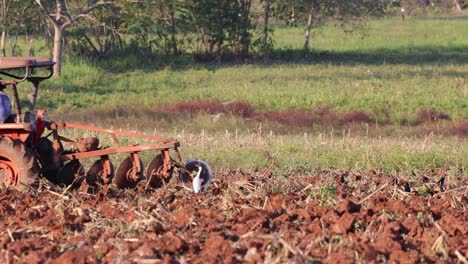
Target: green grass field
[[430, 33], [360, 74], [390, 71]]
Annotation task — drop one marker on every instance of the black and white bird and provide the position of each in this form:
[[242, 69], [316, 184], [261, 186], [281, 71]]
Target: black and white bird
[[197, 181]]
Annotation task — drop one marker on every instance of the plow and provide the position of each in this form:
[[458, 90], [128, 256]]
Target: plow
[[31, 147]]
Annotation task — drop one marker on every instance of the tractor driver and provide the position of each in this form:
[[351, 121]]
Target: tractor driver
[[5, 104]]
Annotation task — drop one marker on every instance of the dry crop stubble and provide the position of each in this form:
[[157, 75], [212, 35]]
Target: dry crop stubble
[[250, 150], [351, 216]]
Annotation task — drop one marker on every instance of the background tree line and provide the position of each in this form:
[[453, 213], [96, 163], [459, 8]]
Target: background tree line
[[208, 29]]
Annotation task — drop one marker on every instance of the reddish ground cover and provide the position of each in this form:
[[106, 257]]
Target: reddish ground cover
[[335, 217]]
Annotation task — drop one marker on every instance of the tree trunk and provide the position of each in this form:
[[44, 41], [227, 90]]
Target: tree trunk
[[173, 29], [59, 25], [307, 33], [292, 20], [30, 41], [265, 28], [90, 43], [14, 42], [457, 6], [5, 8], [3, 41], [245, 37], [18, 28], [57, 54]]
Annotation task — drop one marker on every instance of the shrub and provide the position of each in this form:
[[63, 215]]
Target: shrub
[[326, 116], [460, 129], [426, 115]]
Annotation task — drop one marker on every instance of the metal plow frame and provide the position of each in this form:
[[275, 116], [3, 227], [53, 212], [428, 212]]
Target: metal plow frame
[[162, 144]]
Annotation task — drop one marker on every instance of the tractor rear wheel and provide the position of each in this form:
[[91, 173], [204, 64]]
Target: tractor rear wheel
[[18, 166]]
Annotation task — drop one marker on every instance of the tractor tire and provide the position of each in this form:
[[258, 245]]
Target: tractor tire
[[45, 154], [18, 165]]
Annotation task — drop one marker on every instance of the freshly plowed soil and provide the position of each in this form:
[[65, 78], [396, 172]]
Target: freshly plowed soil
[[334, 217]]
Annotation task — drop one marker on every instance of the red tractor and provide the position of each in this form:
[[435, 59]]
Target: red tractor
[[26, 154]]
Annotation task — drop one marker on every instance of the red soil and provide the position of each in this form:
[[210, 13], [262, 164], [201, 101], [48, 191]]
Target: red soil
[[357, 117], [293, 118], [333, 217]]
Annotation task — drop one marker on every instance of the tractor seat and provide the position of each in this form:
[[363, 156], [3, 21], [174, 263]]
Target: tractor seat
[[9, 119]]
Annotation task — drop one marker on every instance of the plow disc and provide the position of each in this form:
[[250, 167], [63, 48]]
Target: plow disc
[[71, 173], [156, 174], [98, 174], [129, 172]]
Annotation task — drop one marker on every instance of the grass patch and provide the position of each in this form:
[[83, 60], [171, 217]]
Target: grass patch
[[396, 91]]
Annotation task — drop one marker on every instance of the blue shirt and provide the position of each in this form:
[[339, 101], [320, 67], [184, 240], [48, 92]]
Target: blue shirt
[[5, 106]]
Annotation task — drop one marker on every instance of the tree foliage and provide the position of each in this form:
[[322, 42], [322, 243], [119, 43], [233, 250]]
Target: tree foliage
[[209, 29]]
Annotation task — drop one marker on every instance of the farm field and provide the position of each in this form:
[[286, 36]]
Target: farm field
[[353, 152], [332, 216]]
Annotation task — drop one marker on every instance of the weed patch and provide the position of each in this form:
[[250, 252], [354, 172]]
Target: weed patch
[[357, 117], [241, 109]]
